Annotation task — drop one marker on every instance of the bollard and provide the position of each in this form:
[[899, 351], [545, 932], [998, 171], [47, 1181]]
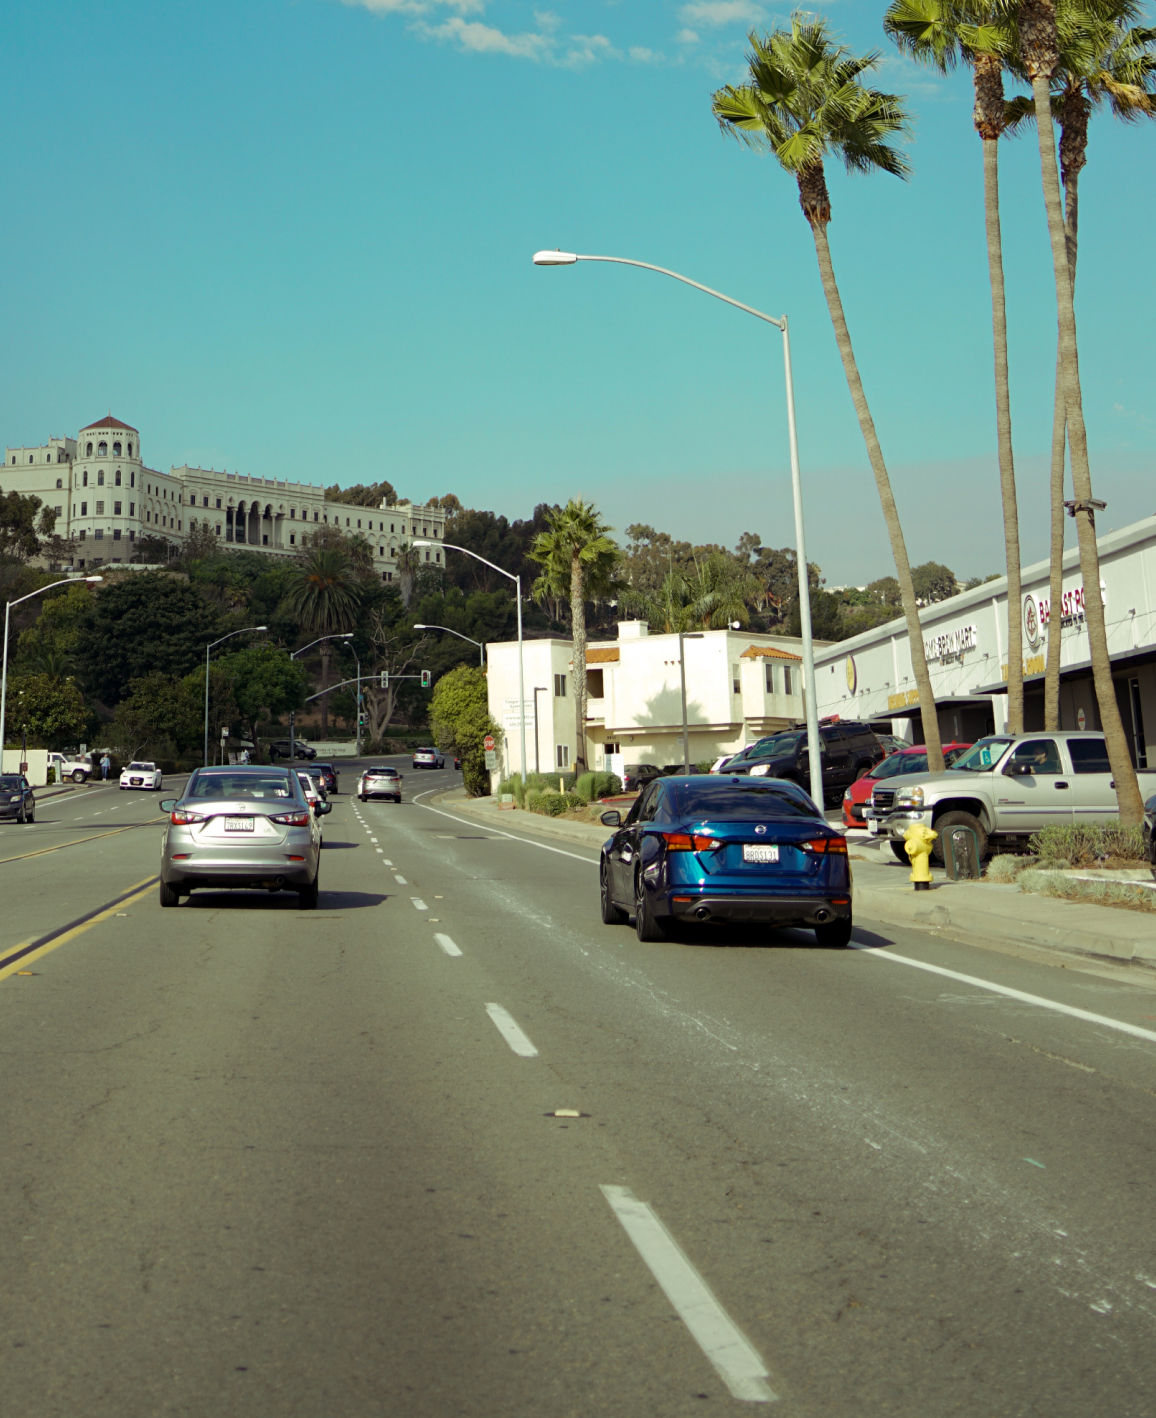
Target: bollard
[[918, 840]]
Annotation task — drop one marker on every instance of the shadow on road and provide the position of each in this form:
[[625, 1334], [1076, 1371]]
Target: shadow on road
[[279, 900]]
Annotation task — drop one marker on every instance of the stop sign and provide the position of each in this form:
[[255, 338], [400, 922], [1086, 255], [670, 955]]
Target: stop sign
[[488, 743]]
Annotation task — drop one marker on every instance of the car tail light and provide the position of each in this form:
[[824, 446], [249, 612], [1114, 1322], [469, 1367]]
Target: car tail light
[[684, 842], [291, 819], [829, 846], [180, 818]]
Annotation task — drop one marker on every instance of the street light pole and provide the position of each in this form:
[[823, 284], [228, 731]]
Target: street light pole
[[337, 635], [246, 631], [67, 581], [517, 580], [569, 258], [460, 636]]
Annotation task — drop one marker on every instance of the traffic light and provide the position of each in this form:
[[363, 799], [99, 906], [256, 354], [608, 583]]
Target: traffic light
[[385, 679], [361, 720], [425, 679]]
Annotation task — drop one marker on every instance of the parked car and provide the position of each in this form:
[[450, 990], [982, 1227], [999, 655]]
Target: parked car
[[428, 758], [78, 768], [1005, 788], [732, 849], [313, 787], [328, 775], [745, 755], [241, 828], [637, 775], [892, 744], [457, 763], [380, 782], [857, 798], [280, 749], [17, 799], [846, 752], [140, 775]]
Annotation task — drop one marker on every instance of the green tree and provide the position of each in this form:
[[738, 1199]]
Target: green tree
[[55, 634], [50, 710], [1040, 54], [323, 595], [20, 528], [266, 683], [943, 33], [157, 716], [577, 559], [1105, 59], [223, 711], [149, 620], [806, 101], [933, 582], [361, 495], [460, 718]]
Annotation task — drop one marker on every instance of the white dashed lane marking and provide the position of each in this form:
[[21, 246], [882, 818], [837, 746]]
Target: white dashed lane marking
[[418, 904], [401, 881], [446, 944], [508, 1029]]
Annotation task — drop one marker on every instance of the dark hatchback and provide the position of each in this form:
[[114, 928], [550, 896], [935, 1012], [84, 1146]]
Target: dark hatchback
[[721, 848], [327, 773], [16, 798]]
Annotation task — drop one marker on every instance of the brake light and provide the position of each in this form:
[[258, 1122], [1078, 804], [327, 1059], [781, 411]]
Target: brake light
[[684, 842], [291, 819], [180, 818], [829, 846]]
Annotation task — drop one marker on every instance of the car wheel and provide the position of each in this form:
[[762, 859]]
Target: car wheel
[[611, 914], [647, 925], [32, 815], [169, 895], [957, 819], [834, 935], [900, 850], [307, 896], [78, 777]]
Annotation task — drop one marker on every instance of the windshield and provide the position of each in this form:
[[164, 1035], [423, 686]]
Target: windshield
[[983, 757], [781, 746], [10, 785], [229, 787], [141, 767], [749, 800], [898, 764]]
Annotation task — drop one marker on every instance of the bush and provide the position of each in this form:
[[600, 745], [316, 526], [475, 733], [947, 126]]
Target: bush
[[1081, 844], [1096, 893], [705, 766], [1006, 867], [551, 804], [597, 785]]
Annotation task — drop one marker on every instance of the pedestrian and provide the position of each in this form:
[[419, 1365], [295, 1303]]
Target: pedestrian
[[105, 765], [245, 755]]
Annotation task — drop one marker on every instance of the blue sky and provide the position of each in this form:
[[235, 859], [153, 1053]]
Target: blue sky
[[293, 237]]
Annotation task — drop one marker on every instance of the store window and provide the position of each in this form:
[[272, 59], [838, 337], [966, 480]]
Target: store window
[[562, 755], [559, 686]]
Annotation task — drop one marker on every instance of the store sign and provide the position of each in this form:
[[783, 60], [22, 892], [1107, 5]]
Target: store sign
[[903, 699], [1033, 622], [951, 644], [1071, 608], [852, 674]]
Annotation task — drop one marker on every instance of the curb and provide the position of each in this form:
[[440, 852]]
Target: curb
[[583, 834]]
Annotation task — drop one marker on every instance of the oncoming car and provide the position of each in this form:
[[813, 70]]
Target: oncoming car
[[382, 782], [241, 828], [16, 798], [428, 758], [141, 775], [729, 849]]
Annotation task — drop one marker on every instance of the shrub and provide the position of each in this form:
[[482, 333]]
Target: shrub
[[551, 804], [1098, 893], [1082, 844], [597, 785], [1006, 867], [705, 766]]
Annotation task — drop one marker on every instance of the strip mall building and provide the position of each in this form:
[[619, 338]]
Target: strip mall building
[[966, 642]]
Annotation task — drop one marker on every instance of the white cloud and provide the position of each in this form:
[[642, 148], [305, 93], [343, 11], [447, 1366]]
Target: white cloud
[[417, 7], [643, 56], [588, 49], [472, 35], [547, 20], [687, 37], [721, 12]]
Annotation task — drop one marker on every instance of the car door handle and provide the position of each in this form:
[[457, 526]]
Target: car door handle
[[1061, 785]]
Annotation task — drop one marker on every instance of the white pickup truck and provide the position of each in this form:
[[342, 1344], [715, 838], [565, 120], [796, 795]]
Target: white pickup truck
[[79, 770], [1005, 788]]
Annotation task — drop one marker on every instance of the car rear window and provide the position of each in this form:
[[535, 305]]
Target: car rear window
[[1089, 756], [747, 800], [232, 786]]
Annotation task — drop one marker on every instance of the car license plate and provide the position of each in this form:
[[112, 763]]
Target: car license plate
[[760, 852], [873, 826], [239, 824]]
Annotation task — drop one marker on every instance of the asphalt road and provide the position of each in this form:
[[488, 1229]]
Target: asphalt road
[[259, 1161]]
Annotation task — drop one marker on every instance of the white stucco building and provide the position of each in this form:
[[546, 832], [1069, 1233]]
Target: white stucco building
[[966, 642], [738, 687], [106, 498]]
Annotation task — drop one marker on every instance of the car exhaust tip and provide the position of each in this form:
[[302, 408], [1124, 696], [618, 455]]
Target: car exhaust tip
[[822, 914], [702, 914]]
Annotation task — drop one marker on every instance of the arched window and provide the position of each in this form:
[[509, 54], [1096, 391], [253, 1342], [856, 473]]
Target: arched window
[[59, 482], [116, 450], [88, 450], [130, 450], [84, 478], [118, 477], [102, 449], [100, 477]]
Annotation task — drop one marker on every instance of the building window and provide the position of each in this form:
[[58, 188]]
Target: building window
[[118, 477], [562, 755], [82, 536], [84, 478], [131, 535], [595, 689], [317, 516], [132, 509], [31, 459], [292, 513], [116, 509], [218, 529], [58, 509], [59, 482], [116, 534], [100, 478], [130, 450], [437, 556], [204, 501], [100, 509], [788, 684], [736, 682], [116, 450], [132, 477], [99, 534], [769, 670], [102, 450], [88, 450], [391, 527], [84, 509], [559, 686], [218, 504], [292, 539], [347, 521], [359, 524], [427, 556], [148, 516]]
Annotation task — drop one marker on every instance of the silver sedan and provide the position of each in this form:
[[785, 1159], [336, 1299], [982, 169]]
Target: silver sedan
[[247, 828]]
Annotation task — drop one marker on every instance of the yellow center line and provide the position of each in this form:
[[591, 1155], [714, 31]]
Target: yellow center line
[[80, 841], [17, 961]]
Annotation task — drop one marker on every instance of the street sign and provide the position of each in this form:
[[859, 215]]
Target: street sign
[[385, 679], [488, 743], [491, 761]]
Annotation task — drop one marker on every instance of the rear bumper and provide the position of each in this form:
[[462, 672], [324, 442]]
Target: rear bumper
[[264, 873], [768, 910]]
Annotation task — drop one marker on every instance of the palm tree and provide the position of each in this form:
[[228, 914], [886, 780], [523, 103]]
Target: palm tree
[[668, 609], [943, 33], [1040, 54], [408, 561], [1104, 58], [719, 593], [323, 596], [578, 559], [806, 101]]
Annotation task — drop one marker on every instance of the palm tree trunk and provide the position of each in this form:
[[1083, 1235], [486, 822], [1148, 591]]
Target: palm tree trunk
[[890, 515], [1127, 788], [578, 624], [1007, 472]]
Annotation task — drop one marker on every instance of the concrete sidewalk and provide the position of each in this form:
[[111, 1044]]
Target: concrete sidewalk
[[882, 892]]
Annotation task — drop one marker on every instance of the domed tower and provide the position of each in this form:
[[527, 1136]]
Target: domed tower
[[106, 488]]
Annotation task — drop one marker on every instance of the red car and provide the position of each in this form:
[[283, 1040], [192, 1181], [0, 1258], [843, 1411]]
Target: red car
[[905, 760]]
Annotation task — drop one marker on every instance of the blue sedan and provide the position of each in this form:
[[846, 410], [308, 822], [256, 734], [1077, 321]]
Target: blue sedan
[[752, 850]]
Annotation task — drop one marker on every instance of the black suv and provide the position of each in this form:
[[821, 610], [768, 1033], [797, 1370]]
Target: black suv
[[847, 751]]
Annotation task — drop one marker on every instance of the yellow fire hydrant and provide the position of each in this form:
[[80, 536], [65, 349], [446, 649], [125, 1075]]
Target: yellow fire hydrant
[[917, 844]]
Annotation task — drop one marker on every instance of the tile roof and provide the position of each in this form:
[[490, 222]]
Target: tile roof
[[767, 652], [602, 657], [109, 422]]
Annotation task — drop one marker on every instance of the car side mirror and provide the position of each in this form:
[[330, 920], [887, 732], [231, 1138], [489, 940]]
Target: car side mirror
[[1019, 770], [323, 808], [167, 804], [613, 818]]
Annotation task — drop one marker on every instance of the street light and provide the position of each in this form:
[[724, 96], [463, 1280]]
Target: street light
[[517, 580], [460, 636], [247, 630], [569, 258], [68, 581], [337, 635]]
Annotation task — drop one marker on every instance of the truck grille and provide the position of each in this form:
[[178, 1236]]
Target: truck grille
[[883, 799]]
